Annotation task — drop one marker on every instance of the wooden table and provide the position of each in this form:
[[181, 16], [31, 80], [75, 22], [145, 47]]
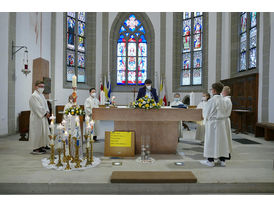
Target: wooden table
[[242, 114], [160, 124]]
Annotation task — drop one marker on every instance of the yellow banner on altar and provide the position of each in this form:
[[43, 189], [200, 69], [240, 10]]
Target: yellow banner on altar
[[120, 139]]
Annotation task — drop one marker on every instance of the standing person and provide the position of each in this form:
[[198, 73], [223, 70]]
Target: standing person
[[200, 131], [147, 90], [216, 141], [92, 102], [225, 93], [38, 124]]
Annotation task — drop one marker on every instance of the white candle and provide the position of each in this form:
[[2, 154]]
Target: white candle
[[51, 141], [52, 128], [74, 81], [67, 151], [65, 135], [88, 144], [59, 146]]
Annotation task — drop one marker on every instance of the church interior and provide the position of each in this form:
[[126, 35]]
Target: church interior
[[183, 54]]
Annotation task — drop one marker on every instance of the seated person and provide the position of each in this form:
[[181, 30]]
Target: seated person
[[200, 131], [177, 101], [148, 90]]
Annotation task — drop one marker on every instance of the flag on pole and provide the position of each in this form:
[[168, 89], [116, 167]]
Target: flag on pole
[[105, 88], [163, 98], [109, 87], [101, 89]]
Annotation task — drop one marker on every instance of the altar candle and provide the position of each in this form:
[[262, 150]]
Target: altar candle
[[59, 146], [67, 151], [88, 144], [74, 81], [51, 141], [52, 128]]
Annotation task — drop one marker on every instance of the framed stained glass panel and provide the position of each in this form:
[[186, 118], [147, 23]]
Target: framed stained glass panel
[[197, 59], [185, 77], [70, 73], [243, 61], [253, 37], [186, 61], [186, 43], [70, 41], [131, 49], [198, 14], [142, 63], [197, 42], [197, 76], [81, 29], [252, 58], [142, 76], [121, 63], [142, 49], [131, 78], [82, 16], [198, 24], [81, 59], [186, 27], [131, 63], [243, 22], [243, 42], [187, 15], [81, 77], [70, 25], [70, 58], [71, 14], [253, 19], [121, 49], [132, 22], [81, 44], [121, 77]]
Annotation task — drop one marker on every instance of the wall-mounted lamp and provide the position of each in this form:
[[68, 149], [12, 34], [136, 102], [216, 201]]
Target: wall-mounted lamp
[[15, 49]]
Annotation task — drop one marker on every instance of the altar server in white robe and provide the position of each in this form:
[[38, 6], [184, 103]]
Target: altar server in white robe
[[92, 102], [39, 114], [225, 93], [200, 131], [216, 140]]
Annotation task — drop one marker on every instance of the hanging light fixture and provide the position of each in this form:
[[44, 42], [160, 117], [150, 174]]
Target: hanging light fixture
[[25, 69]]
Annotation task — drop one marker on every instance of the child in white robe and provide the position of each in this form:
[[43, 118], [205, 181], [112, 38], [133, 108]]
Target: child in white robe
[[216, 141]]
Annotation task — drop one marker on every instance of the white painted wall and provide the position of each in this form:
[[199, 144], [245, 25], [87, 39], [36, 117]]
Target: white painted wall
[[4, 21], [212, 40], [271, 72], [226, 45]]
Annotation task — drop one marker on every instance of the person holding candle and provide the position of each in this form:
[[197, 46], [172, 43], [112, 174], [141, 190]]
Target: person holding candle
[[90, 103], [38, 124]]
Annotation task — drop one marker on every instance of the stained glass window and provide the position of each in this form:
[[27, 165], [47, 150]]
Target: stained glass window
[[75, 52], [131, 53], [192, 50], [248, 40]]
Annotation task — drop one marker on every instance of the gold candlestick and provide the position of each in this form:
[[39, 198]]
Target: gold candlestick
[[77, 160], [68, 166], [91, 151], [73, 158], [86, 137], [64, 151], [59, 164], [52, 149], [69, 157]]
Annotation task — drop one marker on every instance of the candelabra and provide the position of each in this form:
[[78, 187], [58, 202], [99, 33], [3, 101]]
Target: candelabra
[[52, 138], [59, 164]]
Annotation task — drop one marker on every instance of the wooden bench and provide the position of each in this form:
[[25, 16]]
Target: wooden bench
[[265, 129]]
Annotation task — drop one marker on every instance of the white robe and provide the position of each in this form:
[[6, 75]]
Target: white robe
[[216, 140], [200, 131], [228, 109], [91, 103], [38, 125]]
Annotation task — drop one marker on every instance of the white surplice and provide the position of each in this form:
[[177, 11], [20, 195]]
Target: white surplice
[[216, 140], [38, 124], [228, 110], [200, 131], [92, 102]]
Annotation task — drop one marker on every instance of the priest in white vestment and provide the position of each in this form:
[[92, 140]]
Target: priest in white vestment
[[200, 130], [228, 103], [90, 103], [216, 140], [39, 114]]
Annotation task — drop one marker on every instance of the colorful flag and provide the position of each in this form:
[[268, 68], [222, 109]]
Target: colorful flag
[[105, 88], [163, 97], [109, 87]]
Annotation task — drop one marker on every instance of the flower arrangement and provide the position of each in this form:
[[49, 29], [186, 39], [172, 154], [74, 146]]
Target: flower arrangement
[[146, 103], [75, 110]]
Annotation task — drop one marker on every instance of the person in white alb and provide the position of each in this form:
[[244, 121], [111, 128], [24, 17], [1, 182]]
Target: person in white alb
[[92, 102], [225, 93], [216, 141], [38, 123], [200, 131]]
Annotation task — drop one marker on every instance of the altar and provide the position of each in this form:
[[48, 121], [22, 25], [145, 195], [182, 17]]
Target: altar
[[161, 125]]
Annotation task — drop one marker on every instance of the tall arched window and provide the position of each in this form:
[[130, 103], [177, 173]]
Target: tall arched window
[[76, 48], [131, 52], [192, 49], [248, 41]]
